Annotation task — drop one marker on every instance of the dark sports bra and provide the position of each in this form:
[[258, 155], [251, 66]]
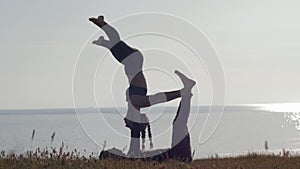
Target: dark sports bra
[[135, 90]]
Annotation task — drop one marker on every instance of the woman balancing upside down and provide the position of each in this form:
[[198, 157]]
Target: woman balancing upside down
[[137, 97]]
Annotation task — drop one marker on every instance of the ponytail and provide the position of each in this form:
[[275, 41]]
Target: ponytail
[[150, 135], [145, 124]]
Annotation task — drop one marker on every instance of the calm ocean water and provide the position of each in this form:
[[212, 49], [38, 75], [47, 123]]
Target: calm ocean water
[[239, 130]]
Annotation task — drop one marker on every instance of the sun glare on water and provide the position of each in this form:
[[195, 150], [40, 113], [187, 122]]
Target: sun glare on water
[[291, 112], [281, 107]]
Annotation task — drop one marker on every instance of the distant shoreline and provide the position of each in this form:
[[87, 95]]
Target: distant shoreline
[[202, 109]]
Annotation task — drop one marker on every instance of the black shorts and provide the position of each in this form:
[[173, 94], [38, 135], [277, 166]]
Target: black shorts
[[121, 50]]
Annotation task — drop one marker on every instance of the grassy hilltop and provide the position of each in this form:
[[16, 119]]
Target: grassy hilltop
[[72, 160]]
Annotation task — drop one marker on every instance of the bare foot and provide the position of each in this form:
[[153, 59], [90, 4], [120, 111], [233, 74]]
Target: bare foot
[[187, 83], [98, 41], [98, 21], [101, 18]]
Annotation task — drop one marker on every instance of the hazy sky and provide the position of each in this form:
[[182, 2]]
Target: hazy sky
[[258, 43]]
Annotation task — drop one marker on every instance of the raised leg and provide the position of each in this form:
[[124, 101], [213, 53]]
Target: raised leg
[[102, 42], [187, 82], [180, 129], [181, 146], [110, 31]]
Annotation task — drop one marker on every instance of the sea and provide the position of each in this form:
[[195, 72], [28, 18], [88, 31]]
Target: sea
[[217, 130]]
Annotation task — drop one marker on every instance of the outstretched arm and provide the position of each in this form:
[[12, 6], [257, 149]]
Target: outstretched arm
[[141, 101]]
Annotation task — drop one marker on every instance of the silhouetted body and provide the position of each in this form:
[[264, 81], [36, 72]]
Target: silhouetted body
[[137, 97], [180, 146], [136, 94]]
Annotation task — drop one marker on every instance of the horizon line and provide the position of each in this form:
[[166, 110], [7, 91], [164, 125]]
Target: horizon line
[[108, 107]]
